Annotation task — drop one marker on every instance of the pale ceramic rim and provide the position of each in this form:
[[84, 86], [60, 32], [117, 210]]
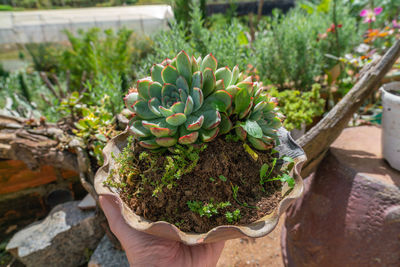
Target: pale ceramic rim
[[164, 229]]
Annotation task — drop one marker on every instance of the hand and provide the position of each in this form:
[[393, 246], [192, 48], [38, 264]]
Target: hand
[[147, 250]]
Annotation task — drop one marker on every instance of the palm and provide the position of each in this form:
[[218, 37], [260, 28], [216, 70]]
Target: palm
[[146, 250]]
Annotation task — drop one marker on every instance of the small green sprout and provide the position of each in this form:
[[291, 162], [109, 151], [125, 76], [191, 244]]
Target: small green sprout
[[233, 216]]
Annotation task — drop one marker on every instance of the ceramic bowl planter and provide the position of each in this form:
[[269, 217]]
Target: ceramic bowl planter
[[166, 230], [391, 123]]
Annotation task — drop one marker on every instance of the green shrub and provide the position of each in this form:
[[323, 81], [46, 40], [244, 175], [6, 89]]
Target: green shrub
[[300, 108]]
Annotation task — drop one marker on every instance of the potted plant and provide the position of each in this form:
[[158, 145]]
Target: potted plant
[[204, 157], [391, 123]]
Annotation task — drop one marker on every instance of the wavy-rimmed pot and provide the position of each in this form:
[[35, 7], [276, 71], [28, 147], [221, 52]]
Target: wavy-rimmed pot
[[163, 229]]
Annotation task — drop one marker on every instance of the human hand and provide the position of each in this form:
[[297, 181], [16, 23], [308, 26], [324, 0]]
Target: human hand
[[147, 250]]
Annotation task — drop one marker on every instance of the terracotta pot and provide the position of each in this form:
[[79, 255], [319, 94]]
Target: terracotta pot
[[224, 232]]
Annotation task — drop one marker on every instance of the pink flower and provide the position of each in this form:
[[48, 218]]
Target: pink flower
[[396, 24], [370, 15]]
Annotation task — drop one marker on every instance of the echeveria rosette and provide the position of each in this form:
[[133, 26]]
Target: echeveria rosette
[[256, 114], [180, 103]]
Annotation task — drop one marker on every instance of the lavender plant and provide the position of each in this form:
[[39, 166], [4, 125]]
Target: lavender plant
[[187, 100]]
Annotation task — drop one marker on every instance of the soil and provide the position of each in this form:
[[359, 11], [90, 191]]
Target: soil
[[219, 158]]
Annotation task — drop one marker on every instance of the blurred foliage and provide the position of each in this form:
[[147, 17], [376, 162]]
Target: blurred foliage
[[45, 56], [95, 53], [300, 108], [23, 94]]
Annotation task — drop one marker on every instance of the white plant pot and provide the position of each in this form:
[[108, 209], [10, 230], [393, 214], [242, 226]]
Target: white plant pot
[[391, 124]]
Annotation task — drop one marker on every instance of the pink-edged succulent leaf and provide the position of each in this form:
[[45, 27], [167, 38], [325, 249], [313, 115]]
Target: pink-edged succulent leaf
[[169, 74], [242, 100], [208, 135], [138, 130], [258, 143], [198, 99], [248, 85], [165, 111], [232, 90], [167, 91], [130, 99], [176, 119], [209, 62], [166, 141], [194, 123], [247, 111], [188, 138], [155, 89], [208, 82], [149, 144], [178, 107], [183, 95], [142, 110], [241, 133], [162, 132], [235, 75], [143, 88], [220, 100], [188, 106], [181, 83], [224, 74], [226, 125], [212, 119], [219, 85], [156, 70], [195, 65], [197, 80], [154, 103], [184, 66]]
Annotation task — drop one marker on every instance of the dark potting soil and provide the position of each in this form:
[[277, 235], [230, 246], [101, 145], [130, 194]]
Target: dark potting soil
[[228, 159]]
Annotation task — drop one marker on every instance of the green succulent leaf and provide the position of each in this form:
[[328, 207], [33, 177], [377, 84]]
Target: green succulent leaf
[[143, 88], [149, 144], [241, 133], [176, 119], [155, 89], [212, 119], [252, 128], [184, 66], [198, 99], [130, 99], [226, 125], [188, 138], [235, 75], [195, 65], [194, 123], [188, 106], [221, 100], [138, 130], [169, 74], [208, 82], [178, 107], [209, 62], [197, 80], [154, 103], [242, 100], [142, 110], [166, 141], [224, 74], [156, 73], [181, 83], [258, 143], [165, 111], [208, 135]]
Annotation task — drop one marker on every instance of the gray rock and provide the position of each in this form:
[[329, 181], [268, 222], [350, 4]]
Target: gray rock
[[63, 238], [106, 255]]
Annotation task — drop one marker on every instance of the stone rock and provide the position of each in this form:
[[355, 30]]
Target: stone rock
[[63, 238], [87, 203], [106, 255], [349, 214]]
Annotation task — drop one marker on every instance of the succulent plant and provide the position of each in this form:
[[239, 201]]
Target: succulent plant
[[188, 100]]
